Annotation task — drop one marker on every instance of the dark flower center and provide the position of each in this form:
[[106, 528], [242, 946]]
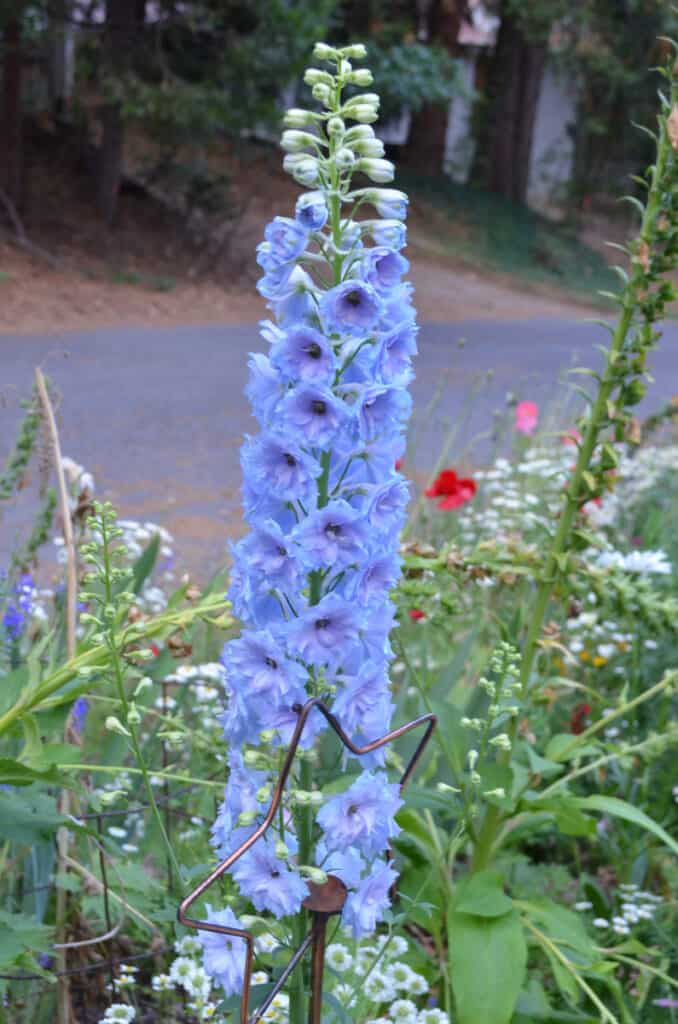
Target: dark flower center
[[275, 874], [353, 809], [322, 623], [353, 298], [319, 406], [281, 551], [314, 350], [333, 528], [290, 459], [271, 662]]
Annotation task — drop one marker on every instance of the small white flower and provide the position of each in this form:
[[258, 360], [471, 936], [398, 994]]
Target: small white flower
[[338, 957], [182, 970], [432, 1016], [161, 983], [188, 946], [583, 905], [403, 1010], [600, 922], [121, 1013], [378, 988], [398, 946], [259, 978], [117, 832], [265, 943], [400, 975], [344, 993], [418, 985]]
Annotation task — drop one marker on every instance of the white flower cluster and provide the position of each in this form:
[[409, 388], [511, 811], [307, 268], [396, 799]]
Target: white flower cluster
[[636, 906]]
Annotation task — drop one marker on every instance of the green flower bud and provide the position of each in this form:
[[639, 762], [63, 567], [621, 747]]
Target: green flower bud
[[247, 818], [267, 735], [381, 171], [114, 724], [443, 787], [321, 51], [263, 794], [501, 741], [297, 118], [499, 793], [314, 76], [321, 92], [344, 158], [133, 716], [142, 685], [293, 141], [316, 875], [362, 77], [357, 51], [281, 850], [336, 127], [369, 147]]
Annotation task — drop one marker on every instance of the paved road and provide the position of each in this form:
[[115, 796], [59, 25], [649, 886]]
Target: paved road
[[157, 415]]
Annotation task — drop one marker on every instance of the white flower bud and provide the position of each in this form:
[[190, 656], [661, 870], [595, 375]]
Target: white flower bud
[[321, 51], [362, 77], [315, 798], [316, 875], [501, 741], [344, 158], [312, 76], [263, 794], [371, 98], [111, 795], [114, 724], [303, 168], [362, 112], [498, 792], [142, 685], [369, 147], [281, 850], [267, 735], [443, 787], [301, 797], [297, 118], [359, 131], [293, 141], [381, 171], [475, 779], [335, 127], [345, 67], [472, 759], [321, 92], [358, 51]]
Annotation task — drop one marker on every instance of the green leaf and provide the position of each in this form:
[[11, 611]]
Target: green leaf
[[563, 927], [143, 567], [570, 819], [542, 765], [487, 966], [483, 895], [621, 809], [28, 817], [14, 773], [20, 934]]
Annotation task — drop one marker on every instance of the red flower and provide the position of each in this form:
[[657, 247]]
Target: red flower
[[451, 489], [398, 464], [527, 417], [155, 649], [577, 717], [416, 614]]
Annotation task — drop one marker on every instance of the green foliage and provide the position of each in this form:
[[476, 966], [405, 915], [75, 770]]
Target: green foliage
[[411, 75]]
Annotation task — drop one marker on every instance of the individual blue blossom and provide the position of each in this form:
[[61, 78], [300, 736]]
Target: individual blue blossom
[[367, 905], [351, 308], [390, 203], [397, 348], [377, 578], [347, 865], [383, 268], [287, 238], [387, 503], [362, 704], [269, 882], [256, 663], [18, 610], [79, 713], [240, 795], [224, 956], [303, 353], [313, 414], [282, 465], [332, 536], [264, 388], [325, 630], [382, 410], [269, 551], [363, 815], [392, 233], [311, 210]]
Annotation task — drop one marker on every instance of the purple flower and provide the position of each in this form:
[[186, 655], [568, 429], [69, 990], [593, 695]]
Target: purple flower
[[383, 268], [363, 815], [382, 410], [325, 631], [268, 551], [79, 713], [668, 1004], [364, 704], [314, 415], [257, 664], [377, 579], [367, 906], [305, 354], [333, 536], [224, 956], [287, 238], [269, 882], [351, 308], [397, 348], [387, 504], [280, 465], [311, 210]]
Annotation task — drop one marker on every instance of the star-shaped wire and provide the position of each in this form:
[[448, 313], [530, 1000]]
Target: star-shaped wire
[[322, 900]]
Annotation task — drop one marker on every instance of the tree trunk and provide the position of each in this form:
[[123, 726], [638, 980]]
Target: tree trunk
[[425, 150], [12, 120], [505, 144], [124, 23]]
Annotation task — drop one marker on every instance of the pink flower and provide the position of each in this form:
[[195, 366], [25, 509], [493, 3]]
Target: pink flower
[[527, 415]]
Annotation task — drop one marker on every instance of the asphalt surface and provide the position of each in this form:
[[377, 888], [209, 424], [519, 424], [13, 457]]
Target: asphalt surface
[[158, 415]]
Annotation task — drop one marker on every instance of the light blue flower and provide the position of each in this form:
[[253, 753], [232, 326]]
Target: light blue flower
[[363, 815], [314, 415], [326, 631], [311, 210], [333, 536], [383, 268], [269, 882], [351, 308], [287, 238], [224, 956], [303, 353], [367, 905], [280, 465]]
